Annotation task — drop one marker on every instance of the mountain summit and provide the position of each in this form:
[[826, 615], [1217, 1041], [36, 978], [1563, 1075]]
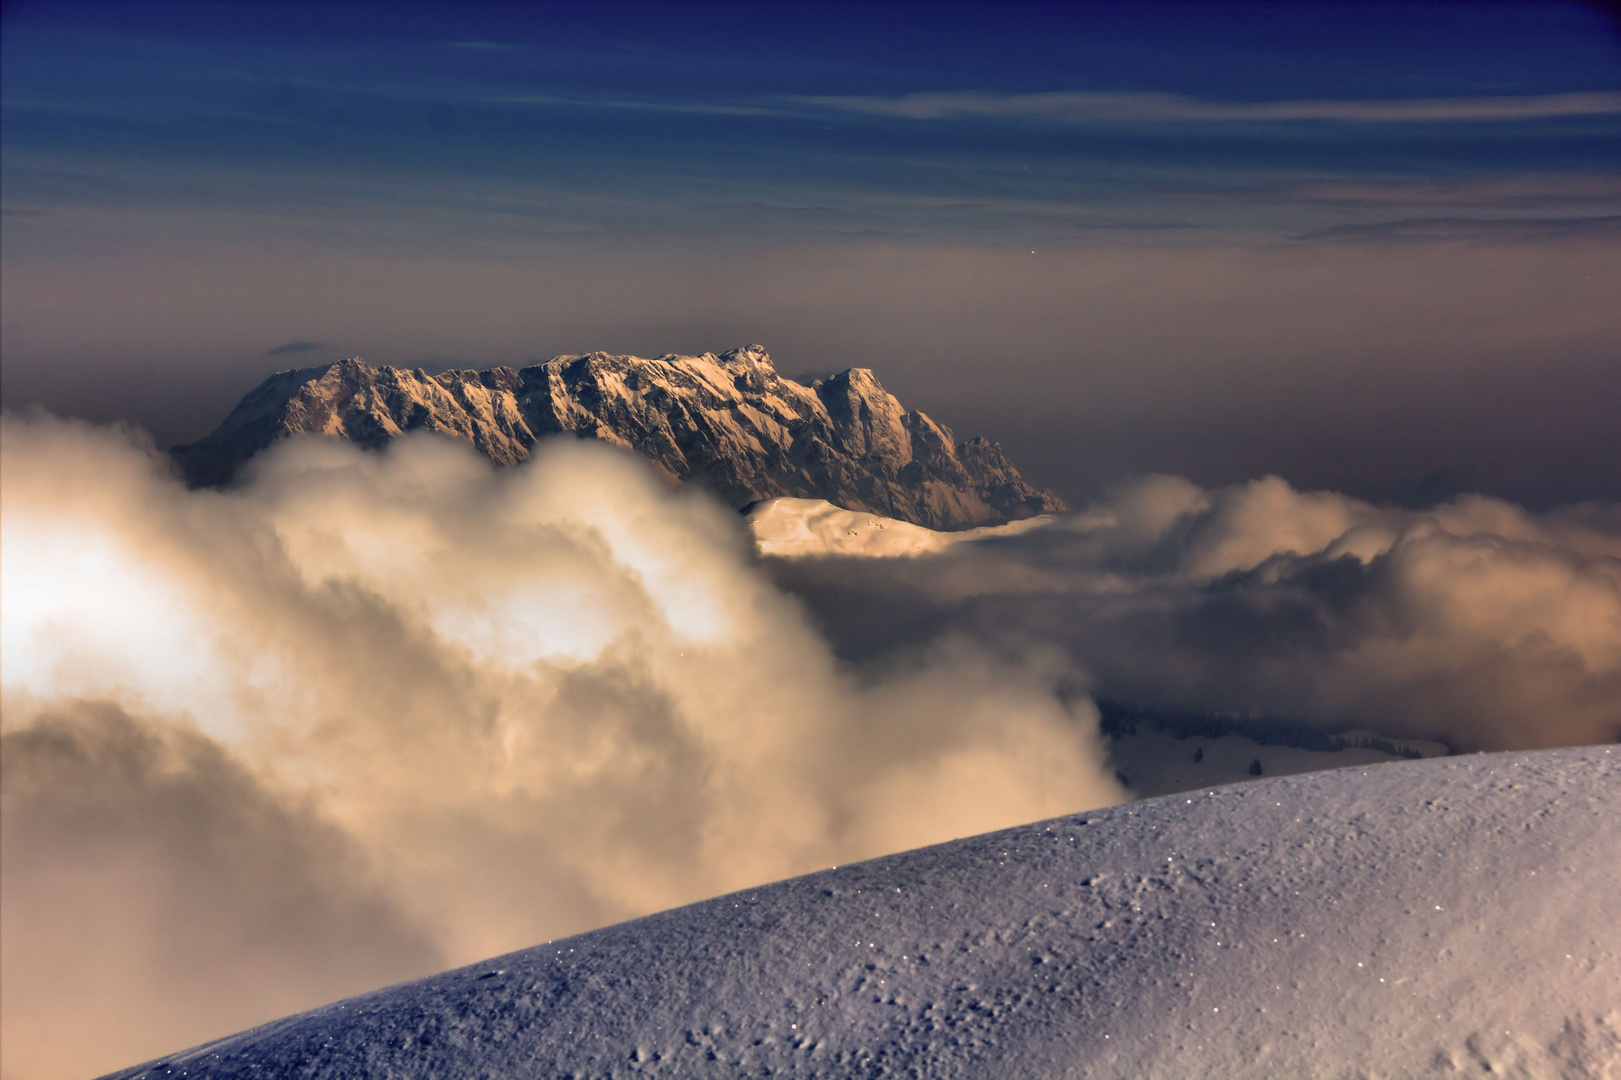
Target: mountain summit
[[729, 422]]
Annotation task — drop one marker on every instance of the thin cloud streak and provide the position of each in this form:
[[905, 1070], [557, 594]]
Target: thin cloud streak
[[650, 106], [487, 46], [1118, 107], [1520, 191], [1459, 228], [295, 347], [1093, 107]]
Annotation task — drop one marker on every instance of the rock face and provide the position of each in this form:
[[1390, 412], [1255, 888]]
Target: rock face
[[729, 422]]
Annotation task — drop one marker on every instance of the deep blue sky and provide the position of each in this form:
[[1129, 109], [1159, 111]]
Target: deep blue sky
[[1205, 238]]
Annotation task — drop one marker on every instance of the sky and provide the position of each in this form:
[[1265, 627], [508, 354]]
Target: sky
[[1368, 248]]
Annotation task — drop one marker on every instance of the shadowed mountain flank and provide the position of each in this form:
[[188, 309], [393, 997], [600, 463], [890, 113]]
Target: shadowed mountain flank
[[729, 422]]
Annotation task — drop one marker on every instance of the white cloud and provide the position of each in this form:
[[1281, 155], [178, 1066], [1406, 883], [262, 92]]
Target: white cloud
[[1103, 107], [491, 707], [1475, 621]]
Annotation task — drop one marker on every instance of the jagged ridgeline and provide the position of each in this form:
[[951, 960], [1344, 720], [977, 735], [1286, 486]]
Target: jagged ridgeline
[[729, 422]]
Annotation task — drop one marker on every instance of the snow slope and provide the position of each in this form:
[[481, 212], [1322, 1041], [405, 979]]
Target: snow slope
[[808, 527], [1454, 916]]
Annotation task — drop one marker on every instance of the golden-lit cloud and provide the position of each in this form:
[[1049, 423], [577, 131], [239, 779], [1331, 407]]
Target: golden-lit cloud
[[462, 709], [1474, 621]]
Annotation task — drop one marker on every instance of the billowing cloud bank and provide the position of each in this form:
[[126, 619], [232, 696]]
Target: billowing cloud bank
[[371, 714], [1474, 621]]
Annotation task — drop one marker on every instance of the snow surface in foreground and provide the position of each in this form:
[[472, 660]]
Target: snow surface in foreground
[[1422, 918]]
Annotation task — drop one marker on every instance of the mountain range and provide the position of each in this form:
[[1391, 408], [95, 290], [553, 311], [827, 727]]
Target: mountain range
[[729, 422]]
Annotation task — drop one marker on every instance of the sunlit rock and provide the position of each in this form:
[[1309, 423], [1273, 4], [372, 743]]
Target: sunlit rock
[[729, 422]]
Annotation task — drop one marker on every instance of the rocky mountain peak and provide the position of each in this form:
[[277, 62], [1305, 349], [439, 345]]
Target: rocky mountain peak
[[728, 421]]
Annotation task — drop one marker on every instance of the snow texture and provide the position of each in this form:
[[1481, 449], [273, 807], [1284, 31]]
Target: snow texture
[[1454, 916], [789, 528]]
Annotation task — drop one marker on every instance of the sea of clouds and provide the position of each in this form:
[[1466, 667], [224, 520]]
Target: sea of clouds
[[1473, 622], [367, 715]]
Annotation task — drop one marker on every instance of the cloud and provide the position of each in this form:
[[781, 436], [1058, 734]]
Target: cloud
[[1473, 621], [1525, 191], [1096, 107], [690, 107], [1430, 229], [487, 46], [154, 884], [293, 347], [464, 710], [1107, 107]]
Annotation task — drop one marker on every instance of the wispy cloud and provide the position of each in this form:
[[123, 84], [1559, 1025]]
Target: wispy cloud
[[1522, 190], [1081, 107], [486, 46], [292, 347], [1084, 107], [732, 109], [1461, 228]]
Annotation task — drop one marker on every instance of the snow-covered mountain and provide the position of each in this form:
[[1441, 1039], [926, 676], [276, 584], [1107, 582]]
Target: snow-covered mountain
[[1431, 918], [729, 421]]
